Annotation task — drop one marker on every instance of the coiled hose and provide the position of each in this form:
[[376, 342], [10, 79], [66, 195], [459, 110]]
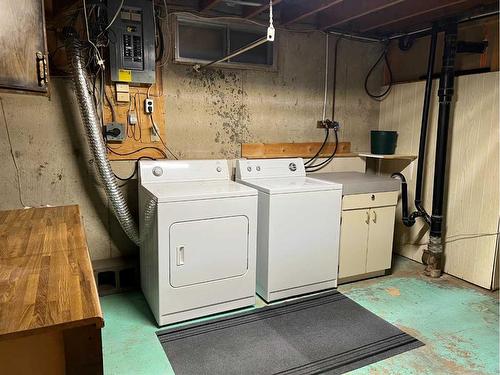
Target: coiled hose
[[94, 136]]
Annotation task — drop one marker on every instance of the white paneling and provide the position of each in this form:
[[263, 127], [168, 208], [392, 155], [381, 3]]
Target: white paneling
[[473, 171]]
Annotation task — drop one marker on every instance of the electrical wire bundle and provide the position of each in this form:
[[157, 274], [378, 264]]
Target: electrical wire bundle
[[98, 36]]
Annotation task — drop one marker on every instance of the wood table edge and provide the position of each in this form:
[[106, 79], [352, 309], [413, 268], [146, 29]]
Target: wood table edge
[[98, 322]]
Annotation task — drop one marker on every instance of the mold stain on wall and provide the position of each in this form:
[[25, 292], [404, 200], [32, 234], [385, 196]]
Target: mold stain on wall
[[224, 99]]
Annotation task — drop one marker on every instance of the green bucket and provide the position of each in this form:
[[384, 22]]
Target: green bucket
[[383, 142]]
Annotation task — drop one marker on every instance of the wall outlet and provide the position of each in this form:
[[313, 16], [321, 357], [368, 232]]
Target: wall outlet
[[114, 132], [148, 106]]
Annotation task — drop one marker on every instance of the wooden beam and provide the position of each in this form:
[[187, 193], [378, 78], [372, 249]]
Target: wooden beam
[[352, 10], [405, 25], [251, 12], [295, 13], [406, 12], [292, 150], [205, 5]]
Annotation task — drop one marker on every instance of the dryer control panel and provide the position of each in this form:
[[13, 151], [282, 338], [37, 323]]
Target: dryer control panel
[[182, 170], [268, 168]]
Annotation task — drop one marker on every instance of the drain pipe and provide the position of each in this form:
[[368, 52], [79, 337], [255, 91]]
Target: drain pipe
[[409, 219], [432, 257], [423, 130], [94, 136]]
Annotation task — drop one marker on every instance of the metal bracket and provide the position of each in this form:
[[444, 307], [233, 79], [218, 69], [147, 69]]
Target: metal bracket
[[41, 69]]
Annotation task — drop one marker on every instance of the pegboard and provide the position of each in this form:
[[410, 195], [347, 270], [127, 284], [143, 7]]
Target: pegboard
[[138, 141]]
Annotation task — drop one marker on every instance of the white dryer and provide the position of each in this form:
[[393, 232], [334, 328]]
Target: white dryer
[[298, 227], [198, 251]]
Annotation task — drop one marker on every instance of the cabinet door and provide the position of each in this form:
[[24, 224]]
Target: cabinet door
[[22, 45], [353, 242], [380, 237]]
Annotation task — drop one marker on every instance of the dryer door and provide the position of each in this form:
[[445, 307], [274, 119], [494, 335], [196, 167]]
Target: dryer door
[[207, 250]]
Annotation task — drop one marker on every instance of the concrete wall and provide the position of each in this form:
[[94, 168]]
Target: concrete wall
[[208, 116], [210, 113]]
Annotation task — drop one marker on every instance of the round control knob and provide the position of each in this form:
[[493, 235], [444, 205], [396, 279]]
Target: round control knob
[[157, 171], [292, 167], [249, 169], [219, 169], [257, 168]]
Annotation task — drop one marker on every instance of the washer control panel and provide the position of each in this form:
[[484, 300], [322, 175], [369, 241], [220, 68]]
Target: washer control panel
[[267, 168]]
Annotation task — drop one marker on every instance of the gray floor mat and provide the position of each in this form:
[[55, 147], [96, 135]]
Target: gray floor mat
[[325, 333]]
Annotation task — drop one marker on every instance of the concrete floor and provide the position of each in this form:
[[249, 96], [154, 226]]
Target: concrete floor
[[458, 322]]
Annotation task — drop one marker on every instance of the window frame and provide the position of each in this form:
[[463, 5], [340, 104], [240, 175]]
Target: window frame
[[227, 25]]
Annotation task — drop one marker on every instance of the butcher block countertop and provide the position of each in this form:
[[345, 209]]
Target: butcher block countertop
[[46, 280]]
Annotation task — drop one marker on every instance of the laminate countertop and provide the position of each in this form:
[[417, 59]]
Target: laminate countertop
[[359, 183]]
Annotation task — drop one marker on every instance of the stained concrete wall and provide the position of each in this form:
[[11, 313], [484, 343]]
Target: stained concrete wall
[[212, 112], [208, 116]]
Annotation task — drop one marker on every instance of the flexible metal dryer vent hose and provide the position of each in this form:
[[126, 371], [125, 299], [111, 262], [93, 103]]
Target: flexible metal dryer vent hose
[[95, 139]]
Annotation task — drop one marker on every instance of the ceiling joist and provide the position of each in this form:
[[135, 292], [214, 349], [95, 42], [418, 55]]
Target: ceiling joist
[[424, 19], [205, 5], [405, 12], [380, 18], [300, 11], [351, 10], [251, 12]]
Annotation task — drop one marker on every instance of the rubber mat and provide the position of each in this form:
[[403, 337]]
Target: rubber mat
[[326, 333]]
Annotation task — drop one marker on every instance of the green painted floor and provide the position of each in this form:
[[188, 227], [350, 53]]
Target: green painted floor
[[457, 322]]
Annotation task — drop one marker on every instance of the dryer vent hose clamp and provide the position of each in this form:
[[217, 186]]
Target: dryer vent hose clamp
[[94, 136]]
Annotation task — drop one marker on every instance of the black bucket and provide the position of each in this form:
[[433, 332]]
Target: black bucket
[[383, 142]]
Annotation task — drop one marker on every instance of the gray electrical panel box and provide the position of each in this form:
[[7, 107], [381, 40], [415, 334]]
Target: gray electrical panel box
[[132, 41]]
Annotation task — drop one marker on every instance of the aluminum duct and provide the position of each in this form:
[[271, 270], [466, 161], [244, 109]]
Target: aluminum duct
[[94, 136]]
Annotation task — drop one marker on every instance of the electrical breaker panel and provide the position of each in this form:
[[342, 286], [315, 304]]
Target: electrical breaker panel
[[132, 41]]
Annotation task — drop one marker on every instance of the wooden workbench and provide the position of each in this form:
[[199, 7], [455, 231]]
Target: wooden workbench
[[50, 316]]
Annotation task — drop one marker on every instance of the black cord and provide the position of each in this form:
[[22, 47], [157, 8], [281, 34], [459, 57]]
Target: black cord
[[160, 45], [317, 167], [135, 169], [320, 149], [383, 56], [111, 106], [138, 150]]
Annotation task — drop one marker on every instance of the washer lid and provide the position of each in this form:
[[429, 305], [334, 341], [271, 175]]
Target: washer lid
[[290, 185], [197, 190]]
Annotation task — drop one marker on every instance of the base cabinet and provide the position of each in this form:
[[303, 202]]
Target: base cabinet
[[366, 235]]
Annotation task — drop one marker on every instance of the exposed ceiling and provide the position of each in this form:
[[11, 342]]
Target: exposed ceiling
[[376, 18]]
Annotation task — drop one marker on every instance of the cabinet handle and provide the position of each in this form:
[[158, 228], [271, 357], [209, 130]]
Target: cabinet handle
[[367, 221], [374, 218]]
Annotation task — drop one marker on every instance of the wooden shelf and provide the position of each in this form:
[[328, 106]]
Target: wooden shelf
[[292, 150], [388, 157]]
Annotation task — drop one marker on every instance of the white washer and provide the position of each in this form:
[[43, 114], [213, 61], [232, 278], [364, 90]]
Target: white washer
[[198, 253], [298, 227]]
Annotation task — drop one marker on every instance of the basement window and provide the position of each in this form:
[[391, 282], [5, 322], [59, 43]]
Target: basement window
[[202, 41]]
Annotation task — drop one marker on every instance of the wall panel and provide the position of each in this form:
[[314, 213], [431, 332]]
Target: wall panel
[[473, 172]]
